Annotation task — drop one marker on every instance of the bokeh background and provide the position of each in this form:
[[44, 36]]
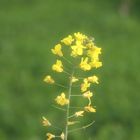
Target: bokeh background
[[30, 28]]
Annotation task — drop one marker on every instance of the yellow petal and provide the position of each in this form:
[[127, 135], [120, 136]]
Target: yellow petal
[[57, 50], [88, 94], [58, 66], [89, 109], [68, 40], [50, 136], [93, 79], [49, 79], [62, 100], [84, 65], [85, 85], [45, 122], [62, 136], [79, 113], [74, 79]]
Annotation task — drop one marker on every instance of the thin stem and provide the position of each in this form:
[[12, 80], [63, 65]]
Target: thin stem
[[89, 101], [83, 127], [76, 86], [58, 108], [67, 60], [67, 73], [71, 116], [80, 77], [76, 95], [68, 106], [60, 85], [75, 107], [57, 136], [56, 127]]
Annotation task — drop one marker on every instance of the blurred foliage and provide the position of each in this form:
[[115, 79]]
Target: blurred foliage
[[29, 28]]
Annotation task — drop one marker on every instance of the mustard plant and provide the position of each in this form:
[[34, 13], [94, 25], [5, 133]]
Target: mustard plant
[[81, 54]]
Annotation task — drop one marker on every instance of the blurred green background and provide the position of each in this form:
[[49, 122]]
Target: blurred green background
[[30, 28]]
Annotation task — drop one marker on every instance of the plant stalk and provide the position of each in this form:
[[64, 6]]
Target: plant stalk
[[68, 106]]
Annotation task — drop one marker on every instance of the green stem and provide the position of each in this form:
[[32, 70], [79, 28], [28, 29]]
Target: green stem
[[68, 106], [67, 60], [83, 127], [57, 84]]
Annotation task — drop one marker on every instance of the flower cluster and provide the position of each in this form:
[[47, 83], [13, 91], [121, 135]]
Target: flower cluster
[[84, 56]]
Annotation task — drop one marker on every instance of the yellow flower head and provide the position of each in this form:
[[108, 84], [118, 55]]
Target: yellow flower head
[[85, 85], [80, 37], [74, 79], [89, 108], [57, 50], [84, 56], [94, 52], [79, 113], [45, 122], [58, 67], [88, 94], [84, 64], [49, 79], [61, 100], [62, 136], [50, 136], [68, 40], [93, 79], [95, 64], [90, 44], [77, 49]]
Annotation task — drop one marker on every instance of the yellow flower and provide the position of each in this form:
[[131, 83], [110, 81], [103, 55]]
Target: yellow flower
[[58, 67], [85, 85], [57, 50], [67, 40], [94, 52], [88, 94], [89, 108], [93, 79], [79, 113], [84, 64], [74, 79], [77, 49], [45, 122], [50, 136], [90, 44], [61, 100], [49, 79], [80, 37], [62, 136], [95, 64]]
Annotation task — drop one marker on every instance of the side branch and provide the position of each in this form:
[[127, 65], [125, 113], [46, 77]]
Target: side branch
[[83, 127]]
